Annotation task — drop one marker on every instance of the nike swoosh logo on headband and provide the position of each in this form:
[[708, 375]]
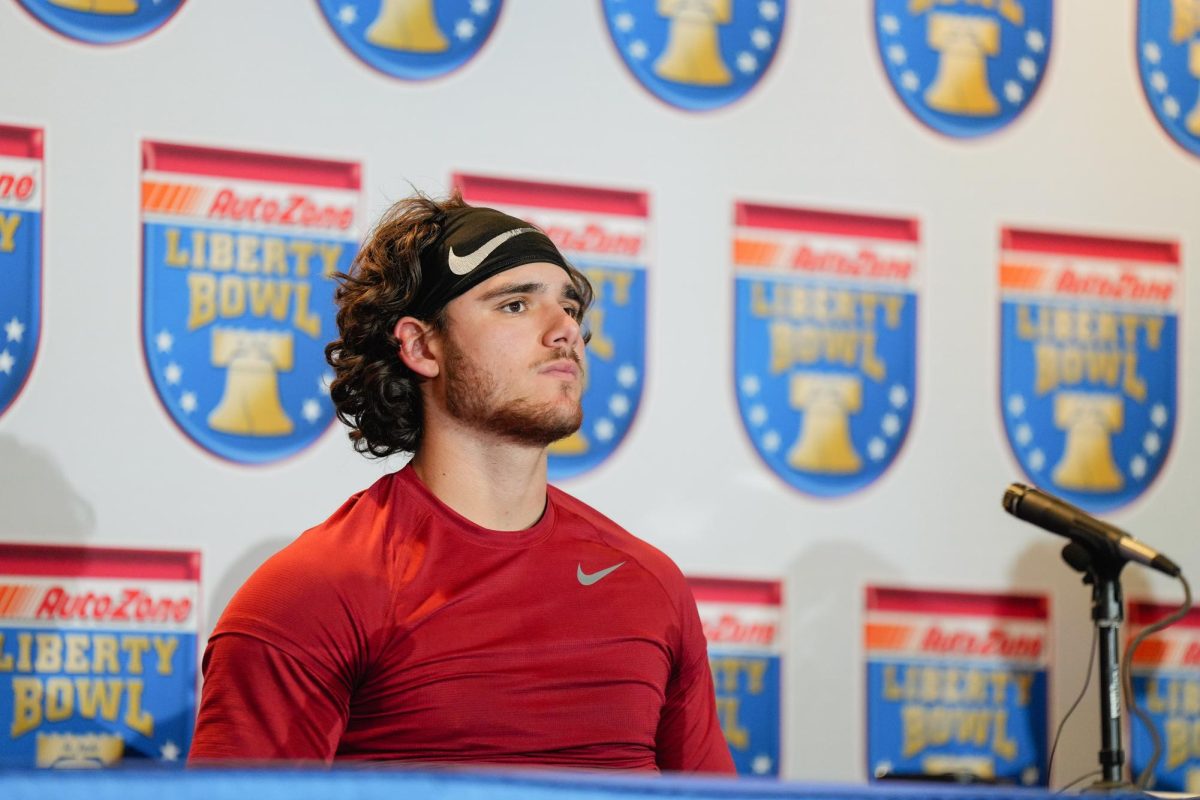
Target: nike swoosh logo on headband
[[461, 265]]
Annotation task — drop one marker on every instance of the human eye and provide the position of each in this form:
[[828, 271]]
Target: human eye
[[514, 306], [573, 311]]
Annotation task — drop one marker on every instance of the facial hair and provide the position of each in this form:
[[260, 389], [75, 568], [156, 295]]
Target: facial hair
[[474, 397]]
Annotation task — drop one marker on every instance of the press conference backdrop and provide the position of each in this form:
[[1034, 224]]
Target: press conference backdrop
[[860, 266]]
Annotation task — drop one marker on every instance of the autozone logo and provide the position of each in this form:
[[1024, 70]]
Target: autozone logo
[[594, 239], [16, 187], [996, 642], [123, 605], [290, 208], [728, 629]]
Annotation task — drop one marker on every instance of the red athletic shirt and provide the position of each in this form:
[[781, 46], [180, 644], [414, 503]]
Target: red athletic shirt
[[399, 630]]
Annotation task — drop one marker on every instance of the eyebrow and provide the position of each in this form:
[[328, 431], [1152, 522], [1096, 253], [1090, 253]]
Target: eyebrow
[[569, 291]]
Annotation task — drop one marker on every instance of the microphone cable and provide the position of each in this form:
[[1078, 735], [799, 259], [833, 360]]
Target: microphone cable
[[1127, 681], [1087, 681]]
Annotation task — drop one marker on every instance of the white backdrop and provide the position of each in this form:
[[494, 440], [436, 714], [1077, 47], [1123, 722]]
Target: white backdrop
[[87, 454]]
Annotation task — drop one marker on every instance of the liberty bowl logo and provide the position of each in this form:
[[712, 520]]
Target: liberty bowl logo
[[964, 68], [825, 342], [102, 21], [696, 54], [20, 256], [413, 39], [1088, 362], [1168, 42]]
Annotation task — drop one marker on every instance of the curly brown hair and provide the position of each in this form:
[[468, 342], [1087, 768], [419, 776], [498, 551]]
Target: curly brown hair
[[373, 390]]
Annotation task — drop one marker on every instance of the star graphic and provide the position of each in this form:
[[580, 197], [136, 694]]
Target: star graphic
[[751, 385], [910, 81], [624, 22], [897, 54], [169, 751], [324, 382], [1037, 460], [464, 29], [627, 375], [760, 38], [1159, 81], [1158, 415], [173, 373], [1152, 52], [768, 10], [311, 410], [898, 396], [890, 424], [164, 341], [1171, 107], [771, 441], [188, 402], [746, 62], [1023, 434], [1151, 443], [481, 7], [762, 764], [1137, 467], [618, 404], [604, 430], [757, 415], [876, 448], [1013, 92], [883, 768], [890, 24], [638, 49], [14, 330], [6, 362], [1035, 41], [1016, 405], [347, 14], [1027, 68]]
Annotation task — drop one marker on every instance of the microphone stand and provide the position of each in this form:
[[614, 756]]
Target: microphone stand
[[1103, 572]]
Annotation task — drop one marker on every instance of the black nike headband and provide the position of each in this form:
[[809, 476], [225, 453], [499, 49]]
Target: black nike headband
[[475, 244]]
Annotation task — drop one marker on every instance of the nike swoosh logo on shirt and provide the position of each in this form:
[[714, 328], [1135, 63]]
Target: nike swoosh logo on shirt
[[587, 580], [461, 265]]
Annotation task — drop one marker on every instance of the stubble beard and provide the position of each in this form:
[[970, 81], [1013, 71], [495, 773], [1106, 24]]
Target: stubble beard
[[473, 397]]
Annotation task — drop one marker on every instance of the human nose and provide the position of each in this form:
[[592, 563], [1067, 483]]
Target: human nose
[[563, 330]]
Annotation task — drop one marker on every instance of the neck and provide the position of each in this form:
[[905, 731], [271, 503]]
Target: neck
[[495, 483]]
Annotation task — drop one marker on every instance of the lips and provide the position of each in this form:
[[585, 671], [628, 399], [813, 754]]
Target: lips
[[561, 369]]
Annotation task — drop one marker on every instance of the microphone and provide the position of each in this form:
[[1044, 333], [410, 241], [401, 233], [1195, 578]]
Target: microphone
[[1058, 516]]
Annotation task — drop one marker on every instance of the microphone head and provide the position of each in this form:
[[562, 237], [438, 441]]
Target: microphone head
[[1013, 496]]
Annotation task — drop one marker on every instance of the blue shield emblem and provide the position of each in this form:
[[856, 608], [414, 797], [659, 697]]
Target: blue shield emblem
[[1168, 56], [20, 256], [603, 232], [964, 68], [1088, 343], [413, 39], [825, 346], [957, 683], [102, 21], [239, 254], [696, 55]]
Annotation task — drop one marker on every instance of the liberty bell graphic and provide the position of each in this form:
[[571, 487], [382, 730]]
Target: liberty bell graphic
[[1089, 420], [99, 6], [407, 25], [827, 401], [961, 84], [250, 405], [693, 51], [1185, 23], [74, 750]]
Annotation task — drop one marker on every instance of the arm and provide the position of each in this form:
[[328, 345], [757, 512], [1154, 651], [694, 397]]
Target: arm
[[689, 736], [261, 703]]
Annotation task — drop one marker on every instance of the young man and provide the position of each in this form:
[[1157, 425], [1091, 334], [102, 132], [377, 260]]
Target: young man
[[461, 610]]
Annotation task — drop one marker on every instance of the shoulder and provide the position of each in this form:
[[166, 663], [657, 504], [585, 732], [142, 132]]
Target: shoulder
[[580, 519], [334, 571]]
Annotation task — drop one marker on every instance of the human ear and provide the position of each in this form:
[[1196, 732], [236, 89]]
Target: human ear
[[418, 348]]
